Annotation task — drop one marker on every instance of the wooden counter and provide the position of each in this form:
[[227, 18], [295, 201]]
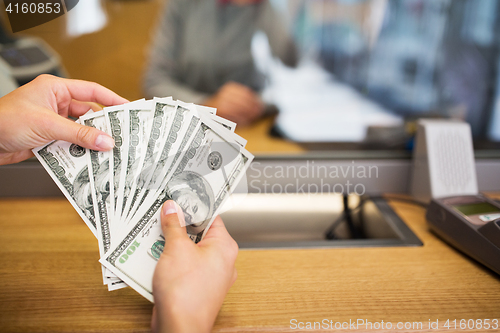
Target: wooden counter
[[50, 280]]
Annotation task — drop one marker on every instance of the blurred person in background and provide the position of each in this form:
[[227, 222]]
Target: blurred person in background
[[201, 53]]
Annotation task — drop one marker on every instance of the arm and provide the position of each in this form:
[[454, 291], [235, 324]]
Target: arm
[[281, 42], [37, 112], [160, 74], [191, 280]]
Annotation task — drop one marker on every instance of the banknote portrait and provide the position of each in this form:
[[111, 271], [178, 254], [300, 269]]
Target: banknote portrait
[[195, 196], [101, 181], [117, 164], [82, 193], [147, 168], [131, 175]]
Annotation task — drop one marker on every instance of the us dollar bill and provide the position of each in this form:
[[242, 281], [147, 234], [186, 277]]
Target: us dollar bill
[[98, 163], [190, 121], [99, 174], [203, 178], [181, 128], [66, 163], [114, 121], [210, 112], [163, 112], [137, 126]]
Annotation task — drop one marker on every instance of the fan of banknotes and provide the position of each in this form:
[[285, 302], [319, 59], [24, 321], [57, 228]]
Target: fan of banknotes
[[164, 149]]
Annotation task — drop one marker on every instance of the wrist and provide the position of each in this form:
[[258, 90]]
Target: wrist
[[175, 319]]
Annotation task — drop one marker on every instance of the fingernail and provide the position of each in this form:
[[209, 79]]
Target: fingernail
[[104, 141], [169, 208]]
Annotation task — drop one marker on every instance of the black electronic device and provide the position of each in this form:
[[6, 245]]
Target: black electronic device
[[26, 58], [471, 224]]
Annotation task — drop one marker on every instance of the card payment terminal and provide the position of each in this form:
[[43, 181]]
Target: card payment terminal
[[471, 224]]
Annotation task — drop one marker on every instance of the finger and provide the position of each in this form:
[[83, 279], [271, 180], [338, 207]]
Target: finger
[[11, 158], [241, 116], [92, 92], [172, 222], [218, 230], [257, 107], [236, 86], [256, 112], [237, 109], [247, 99], [154, 325], [60, 128], [243, 92], [78, 108], [239, 105], [219, 241], [235, 276], [239, 119]]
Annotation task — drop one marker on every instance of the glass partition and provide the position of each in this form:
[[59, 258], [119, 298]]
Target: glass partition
[[369, 69], [366, 69]]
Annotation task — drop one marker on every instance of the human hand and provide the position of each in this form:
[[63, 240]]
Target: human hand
[[191, 280], [35, 114], [237, 103]]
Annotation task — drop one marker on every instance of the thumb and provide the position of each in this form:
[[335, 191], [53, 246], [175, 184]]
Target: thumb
[[88, 137], [172, 222]]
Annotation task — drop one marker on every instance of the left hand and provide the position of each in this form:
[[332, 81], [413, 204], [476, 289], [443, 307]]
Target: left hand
[[37, 112]]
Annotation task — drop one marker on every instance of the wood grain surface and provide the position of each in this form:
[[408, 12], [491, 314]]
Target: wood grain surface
[[50, 280]]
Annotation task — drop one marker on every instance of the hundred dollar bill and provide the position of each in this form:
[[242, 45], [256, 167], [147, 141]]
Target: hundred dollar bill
[[98, 164], [210, 112], [163, 112], [202, 108], [206, 112], [99, 172], [228, 124], [202, 180], [185, 121], [226, 159], [189, 120], [181, 127], [220, 124], [137, 126], [115, 121], [66, 163]]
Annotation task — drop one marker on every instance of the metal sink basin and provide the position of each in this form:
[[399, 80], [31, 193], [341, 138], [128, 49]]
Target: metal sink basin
[[301, 220]]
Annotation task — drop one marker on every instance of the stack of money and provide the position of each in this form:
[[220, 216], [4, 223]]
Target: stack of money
[[164, 150]]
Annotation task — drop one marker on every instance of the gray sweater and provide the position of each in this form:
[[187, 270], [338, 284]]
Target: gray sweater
[[201, 44]]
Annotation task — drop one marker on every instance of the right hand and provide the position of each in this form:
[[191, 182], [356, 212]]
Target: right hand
[[237, 103], [191, 280]]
